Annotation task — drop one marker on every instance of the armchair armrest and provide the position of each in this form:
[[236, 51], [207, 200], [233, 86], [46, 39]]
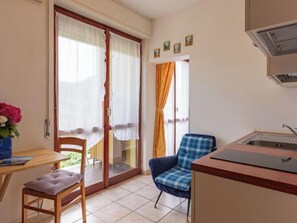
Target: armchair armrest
[[160, 165]]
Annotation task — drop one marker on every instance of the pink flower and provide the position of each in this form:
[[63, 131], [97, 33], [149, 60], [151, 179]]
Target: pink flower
[[9, 116], [11, 112]]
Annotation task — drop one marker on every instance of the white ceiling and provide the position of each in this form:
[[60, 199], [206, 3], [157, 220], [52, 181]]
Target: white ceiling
[[153, 9]]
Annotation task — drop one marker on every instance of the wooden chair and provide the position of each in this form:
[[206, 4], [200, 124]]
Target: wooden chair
[[58, 184]]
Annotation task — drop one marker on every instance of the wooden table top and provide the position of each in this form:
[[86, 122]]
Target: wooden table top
[[268, 178], [39, 157]]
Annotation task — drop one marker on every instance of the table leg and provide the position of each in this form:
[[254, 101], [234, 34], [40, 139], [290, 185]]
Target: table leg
[[4, 184]]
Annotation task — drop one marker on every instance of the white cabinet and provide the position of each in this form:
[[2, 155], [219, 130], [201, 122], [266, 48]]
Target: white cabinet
[[267, 13], [220, 200]]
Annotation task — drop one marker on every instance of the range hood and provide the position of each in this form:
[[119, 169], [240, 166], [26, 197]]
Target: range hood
[[279, 41], [272, 25]]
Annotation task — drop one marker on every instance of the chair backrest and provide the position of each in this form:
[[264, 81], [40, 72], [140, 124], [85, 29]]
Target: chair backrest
[[73, 144], [194, 146]]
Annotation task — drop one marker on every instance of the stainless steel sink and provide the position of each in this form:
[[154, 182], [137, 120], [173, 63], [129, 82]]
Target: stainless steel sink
[[277, 145], [276, 141]]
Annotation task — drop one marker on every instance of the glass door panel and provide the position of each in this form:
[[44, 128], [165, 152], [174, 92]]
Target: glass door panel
[[169, 120], [94, 168], [124, 104], [182, 100], [176, 110], [124, 156], [80, 90]]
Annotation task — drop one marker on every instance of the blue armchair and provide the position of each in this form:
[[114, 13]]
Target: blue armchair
[[172, 174]]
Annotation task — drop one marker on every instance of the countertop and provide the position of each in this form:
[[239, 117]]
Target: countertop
[[268, 178]]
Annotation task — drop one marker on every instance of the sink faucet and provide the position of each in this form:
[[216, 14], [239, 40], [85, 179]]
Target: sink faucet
[[289, 127]]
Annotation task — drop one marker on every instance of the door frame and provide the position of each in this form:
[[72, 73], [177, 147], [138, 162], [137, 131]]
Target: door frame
[[106, 181]]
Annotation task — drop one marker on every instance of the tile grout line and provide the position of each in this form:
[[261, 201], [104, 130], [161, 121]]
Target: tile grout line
[[134, 211], [130, 193]]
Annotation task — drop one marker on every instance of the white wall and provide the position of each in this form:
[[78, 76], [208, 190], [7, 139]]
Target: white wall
[[23, 72], [230, 94], [24, 66]]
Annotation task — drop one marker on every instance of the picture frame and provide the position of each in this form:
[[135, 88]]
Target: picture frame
[[189, 40], [157, 53], [177, 48], [166, 45]]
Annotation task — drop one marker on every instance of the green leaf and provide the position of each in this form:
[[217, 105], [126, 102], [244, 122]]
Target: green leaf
[[4, 132]]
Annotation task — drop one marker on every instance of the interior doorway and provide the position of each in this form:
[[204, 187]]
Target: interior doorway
[[176, 110]]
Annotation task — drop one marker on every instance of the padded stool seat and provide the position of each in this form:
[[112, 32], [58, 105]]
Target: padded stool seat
[[54, 182]]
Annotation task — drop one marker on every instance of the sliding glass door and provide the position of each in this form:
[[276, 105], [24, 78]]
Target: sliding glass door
[[97, 97]]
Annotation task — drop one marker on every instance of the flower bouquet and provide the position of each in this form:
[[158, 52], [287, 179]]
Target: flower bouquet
[[9, 116]]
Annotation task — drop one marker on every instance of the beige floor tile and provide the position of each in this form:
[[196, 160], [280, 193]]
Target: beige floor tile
[[148, 192], [169, 200], [48, 204], [111, 213], [90, 219], [154, 214], [132, 185], [117, 203], [152, 184], [72, 214], [132, 201], [146, 179], [175, 216], [183, 207], [96, 202], [134, 218], [40, 218], [115, 193]]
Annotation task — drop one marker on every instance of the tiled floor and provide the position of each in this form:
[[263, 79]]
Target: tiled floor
[[129, 202]]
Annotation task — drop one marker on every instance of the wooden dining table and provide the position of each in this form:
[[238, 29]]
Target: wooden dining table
[[40, 157]]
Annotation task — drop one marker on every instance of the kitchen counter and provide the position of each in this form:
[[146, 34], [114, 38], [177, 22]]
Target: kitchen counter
[[272, 179], [229, 192]]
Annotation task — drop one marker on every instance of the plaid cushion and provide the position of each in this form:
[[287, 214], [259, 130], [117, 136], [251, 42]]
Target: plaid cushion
[[176, 177], [193, 147]]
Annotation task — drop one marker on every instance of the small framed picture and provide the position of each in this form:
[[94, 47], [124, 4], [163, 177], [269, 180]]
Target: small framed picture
[[189, 40], [176, 48], [156, 53], [166, 45]]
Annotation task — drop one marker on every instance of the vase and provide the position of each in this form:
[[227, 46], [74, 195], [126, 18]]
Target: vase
[[5, 148]]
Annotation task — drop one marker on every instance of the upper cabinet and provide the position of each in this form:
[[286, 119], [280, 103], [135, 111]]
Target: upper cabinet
[[269, 13], [272, 26]]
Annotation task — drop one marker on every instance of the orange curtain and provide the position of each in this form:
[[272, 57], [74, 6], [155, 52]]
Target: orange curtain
[[164, 73]]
